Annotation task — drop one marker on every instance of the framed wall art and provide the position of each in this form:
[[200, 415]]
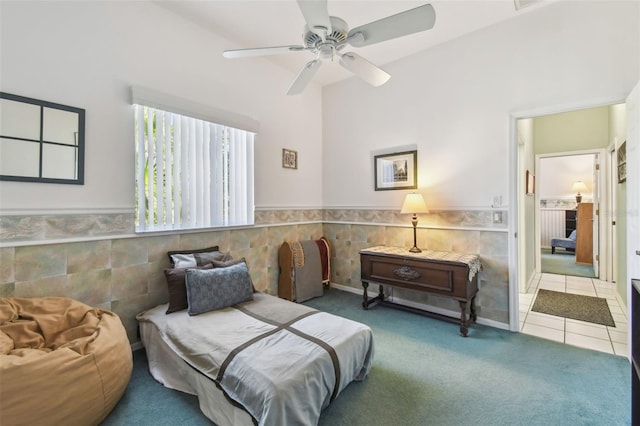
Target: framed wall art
[[530, 183], [398, 170], [621, 155], [289, 159]]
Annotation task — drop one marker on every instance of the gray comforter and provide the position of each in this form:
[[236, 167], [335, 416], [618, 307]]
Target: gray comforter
[[283, 362]]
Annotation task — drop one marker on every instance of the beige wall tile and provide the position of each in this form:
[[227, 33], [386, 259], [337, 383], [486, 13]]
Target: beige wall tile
[[7, 264], [157, 248], [157, 281], [440, 239], [129, 251], [493, 243], [202, 240], [22, 228], [90, 287], [49, 286], [398, 237], [465, 241], [8, 290], [87, 256], [36, 262], [127, 309], [129, 281]]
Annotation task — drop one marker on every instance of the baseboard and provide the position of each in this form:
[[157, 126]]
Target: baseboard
[[423, 307]]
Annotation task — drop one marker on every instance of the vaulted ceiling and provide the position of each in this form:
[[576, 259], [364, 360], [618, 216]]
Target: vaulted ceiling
[[264, 23]]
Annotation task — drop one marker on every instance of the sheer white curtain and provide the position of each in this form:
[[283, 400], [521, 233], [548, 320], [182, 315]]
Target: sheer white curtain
[[191, 173]]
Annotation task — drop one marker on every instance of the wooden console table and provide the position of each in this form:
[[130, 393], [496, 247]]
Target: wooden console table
[[444, 274]]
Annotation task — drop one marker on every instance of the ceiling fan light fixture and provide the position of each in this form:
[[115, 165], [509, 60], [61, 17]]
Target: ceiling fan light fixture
[[326, 36]]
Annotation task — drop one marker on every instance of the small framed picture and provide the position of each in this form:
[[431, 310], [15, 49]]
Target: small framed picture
[[622, 162], [396, 171], [289, 159], [530, 183]]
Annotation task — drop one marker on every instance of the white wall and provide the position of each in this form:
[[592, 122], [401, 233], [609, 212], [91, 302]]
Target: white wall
[[87, 54], [557, 175], [453, 101]]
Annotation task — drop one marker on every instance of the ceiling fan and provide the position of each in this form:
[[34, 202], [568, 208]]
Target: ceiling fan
[[326, 36]]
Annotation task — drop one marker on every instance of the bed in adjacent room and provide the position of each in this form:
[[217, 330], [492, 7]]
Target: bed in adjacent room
[[259, 360]]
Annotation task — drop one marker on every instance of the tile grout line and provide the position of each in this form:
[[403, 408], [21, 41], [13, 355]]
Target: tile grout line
[[610, 340]]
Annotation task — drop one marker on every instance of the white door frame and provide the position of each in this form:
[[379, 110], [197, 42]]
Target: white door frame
[[517, 194], [610, 213]]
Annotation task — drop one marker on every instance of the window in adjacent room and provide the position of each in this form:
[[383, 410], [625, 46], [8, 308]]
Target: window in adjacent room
[[191, 173]]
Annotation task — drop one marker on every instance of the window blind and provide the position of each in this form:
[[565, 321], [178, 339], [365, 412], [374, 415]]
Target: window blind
[[191, 173]]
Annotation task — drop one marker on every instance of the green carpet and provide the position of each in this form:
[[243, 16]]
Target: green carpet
[[574, 306], [424, 373], [564, 263]]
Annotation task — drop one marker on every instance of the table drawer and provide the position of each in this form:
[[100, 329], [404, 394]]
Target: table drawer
[[429, 277]]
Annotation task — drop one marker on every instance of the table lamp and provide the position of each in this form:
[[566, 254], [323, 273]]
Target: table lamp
[[577, 187], [414, 203]]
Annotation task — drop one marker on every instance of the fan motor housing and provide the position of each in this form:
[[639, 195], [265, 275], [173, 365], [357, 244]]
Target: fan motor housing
[[339, 33]]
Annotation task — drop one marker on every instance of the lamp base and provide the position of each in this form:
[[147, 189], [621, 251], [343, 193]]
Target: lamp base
[[578, 198], [415, 249]]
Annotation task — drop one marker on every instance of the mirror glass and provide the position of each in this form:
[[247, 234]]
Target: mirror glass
[[40, 141]]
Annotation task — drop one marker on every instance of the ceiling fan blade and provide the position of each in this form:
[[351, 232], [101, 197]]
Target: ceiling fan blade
[[261, 51], [411, 21], [304, 77], [316, 15], [364, 69]]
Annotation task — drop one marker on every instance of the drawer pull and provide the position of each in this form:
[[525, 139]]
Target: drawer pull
[[406, 273]]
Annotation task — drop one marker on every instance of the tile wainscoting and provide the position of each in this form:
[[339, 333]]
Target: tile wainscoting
[[97, 258]]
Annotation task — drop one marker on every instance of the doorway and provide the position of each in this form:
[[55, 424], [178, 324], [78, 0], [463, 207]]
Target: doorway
[[542, 138], [568, 183]]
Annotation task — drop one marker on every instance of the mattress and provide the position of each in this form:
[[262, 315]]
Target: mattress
[[173, 372], [268, 360]]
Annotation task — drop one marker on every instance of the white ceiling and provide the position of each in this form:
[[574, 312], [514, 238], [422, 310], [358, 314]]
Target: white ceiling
[[263, 23]]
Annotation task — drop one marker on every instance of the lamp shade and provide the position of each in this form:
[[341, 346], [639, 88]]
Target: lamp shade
[[578, 186], [414, 203]]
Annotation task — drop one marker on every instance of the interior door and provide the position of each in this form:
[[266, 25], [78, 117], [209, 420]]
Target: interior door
[[596, 215]]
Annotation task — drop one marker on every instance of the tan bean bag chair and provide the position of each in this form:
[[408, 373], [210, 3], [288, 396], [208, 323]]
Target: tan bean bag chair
[[61, 362]]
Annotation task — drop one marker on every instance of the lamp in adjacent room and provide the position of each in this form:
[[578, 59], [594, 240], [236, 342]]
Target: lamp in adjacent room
[[577, 187], [414, 203]]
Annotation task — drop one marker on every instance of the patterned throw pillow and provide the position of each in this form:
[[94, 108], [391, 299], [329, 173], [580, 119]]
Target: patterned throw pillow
[[177, 288], [218, 288]]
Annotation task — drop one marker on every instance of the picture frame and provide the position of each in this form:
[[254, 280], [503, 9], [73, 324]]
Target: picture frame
[[398, 170], [289, 159], [530, 183], [621, 155]]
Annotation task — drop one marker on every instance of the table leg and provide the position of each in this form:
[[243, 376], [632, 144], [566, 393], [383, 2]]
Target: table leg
[[365, 297], [464, 329], [472, 315]]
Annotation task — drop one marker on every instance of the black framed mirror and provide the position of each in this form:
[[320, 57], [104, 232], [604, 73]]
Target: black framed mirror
[[40, 141]]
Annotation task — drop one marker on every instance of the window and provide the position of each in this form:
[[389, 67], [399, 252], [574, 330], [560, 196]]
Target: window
[[191, 173]]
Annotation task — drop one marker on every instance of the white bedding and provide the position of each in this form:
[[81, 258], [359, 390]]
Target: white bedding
[[283, 362]]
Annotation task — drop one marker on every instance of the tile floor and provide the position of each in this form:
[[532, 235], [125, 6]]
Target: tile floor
[[598, 337]]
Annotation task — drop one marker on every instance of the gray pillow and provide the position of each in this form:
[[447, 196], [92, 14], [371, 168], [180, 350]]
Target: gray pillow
[[212, 289]]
